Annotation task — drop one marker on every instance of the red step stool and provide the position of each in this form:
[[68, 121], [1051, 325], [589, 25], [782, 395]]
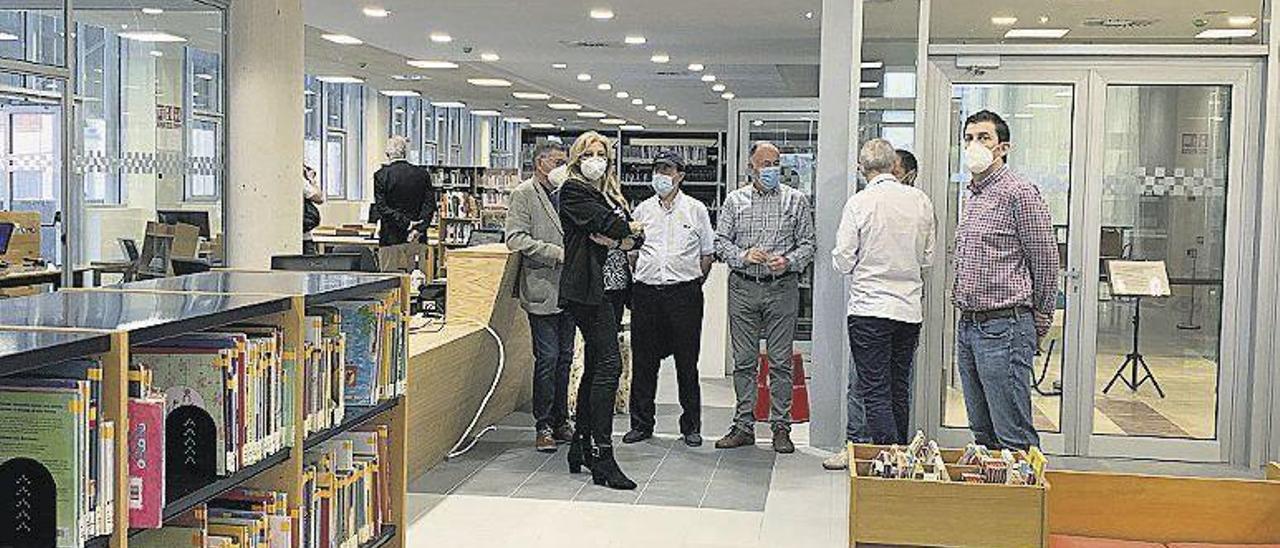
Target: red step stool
[[799, 390]]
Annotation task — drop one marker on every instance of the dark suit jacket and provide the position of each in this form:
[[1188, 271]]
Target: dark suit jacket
[[402, 196], [583, 212]]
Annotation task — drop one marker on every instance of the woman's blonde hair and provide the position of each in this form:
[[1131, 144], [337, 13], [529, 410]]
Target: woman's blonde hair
[[607, 185]]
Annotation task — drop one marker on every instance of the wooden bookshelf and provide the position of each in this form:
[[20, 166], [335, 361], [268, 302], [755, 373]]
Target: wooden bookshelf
[[103, 323]]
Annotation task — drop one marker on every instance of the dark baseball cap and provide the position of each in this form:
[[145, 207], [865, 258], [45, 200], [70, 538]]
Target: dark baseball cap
[[670, 158]]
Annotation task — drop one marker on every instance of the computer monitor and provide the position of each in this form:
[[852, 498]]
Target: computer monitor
[[6, 234], [484, 236], [198, 219]]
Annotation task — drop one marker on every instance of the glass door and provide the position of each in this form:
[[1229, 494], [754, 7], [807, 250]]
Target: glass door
[[31, 163]]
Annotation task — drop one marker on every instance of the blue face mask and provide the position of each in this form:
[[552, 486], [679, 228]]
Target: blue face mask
[[663, 184], [770, 177]]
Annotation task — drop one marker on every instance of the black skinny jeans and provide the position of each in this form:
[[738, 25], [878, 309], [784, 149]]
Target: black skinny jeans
[[602, 365]]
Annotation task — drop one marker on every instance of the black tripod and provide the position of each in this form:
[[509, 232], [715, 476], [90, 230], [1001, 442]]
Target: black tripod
[[1128, 371]]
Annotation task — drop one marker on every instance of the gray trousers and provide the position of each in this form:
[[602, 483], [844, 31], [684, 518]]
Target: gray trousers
[[763, 309]]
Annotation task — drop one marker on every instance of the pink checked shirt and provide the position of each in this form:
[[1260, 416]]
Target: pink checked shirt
[[1006, 251]]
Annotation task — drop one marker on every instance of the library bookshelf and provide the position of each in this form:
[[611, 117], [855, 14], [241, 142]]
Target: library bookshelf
[[106, 324]]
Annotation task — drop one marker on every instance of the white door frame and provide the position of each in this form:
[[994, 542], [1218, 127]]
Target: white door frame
[[1090, 78]]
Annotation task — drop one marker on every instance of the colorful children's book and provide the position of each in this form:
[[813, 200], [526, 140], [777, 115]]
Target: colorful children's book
[[146, 462], [44, 461]]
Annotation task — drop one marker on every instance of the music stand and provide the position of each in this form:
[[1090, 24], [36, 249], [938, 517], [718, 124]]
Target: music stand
[[1137, 279]]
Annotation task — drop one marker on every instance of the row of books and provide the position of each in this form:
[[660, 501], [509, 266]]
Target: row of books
[[57, 457], [241, 518], [500, 179], [692, 154], [459, 205], [354, 355], [346, 493]]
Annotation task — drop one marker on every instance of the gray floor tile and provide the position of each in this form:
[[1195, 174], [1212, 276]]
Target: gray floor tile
[[519, 460], [497, 483], [443, 478], [729, 491], [557, 485], [673, 493], [597, 493]]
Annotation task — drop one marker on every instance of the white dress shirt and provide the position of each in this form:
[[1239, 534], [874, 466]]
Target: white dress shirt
[[675, 240], [884, 245]]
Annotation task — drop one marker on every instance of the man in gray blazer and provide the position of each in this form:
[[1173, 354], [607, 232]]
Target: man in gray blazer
[[533, 230]]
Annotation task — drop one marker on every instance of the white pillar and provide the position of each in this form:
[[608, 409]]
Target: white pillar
[[837, 136], [264, 144]]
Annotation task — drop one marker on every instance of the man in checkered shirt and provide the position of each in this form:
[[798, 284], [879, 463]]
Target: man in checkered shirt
[[1006, 287]]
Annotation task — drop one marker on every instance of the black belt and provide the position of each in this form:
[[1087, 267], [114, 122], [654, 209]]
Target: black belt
[[997, 314], [670, 287], [764, 279]]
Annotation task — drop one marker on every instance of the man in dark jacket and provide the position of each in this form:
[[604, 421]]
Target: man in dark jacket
[[402, 197]]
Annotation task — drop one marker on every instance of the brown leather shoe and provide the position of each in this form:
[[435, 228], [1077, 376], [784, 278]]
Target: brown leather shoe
[[546, 442], [782, 441], [563, 434], [736, 438]]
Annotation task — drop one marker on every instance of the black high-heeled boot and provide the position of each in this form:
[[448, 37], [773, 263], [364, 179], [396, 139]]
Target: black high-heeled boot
[[605, 470], [580, 451]]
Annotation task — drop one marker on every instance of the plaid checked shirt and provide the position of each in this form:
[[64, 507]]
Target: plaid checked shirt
[[1006, 250], [778, 223]]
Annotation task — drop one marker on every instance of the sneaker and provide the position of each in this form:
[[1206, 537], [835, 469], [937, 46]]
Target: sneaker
[[782, 441], [838, 461], [736, 438], [636, 436], [563, 434], [546, 442], [693, 440]]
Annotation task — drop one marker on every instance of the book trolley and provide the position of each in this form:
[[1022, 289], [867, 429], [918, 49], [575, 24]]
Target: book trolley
[[116, 326]]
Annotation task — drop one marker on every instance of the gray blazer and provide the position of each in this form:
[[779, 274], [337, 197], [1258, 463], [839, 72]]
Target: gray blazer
[[533, 230]]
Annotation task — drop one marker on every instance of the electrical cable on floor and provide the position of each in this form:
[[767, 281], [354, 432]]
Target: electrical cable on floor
[[502, 363], [1044, 373]]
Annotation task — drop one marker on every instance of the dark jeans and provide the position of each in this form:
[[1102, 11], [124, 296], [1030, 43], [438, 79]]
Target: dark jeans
[[309, 247], [552, 358], [883, 352], [666, 321], [995, 361], [601, 367], [618, 300]]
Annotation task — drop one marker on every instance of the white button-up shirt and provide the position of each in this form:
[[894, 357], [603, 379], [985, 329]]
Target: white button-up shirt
[[675, 240], [884, 245]]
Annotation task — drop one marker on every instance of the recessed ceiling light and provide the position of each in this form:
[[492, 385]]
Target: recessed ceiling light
[[604, 87], [489, 82], [156, 53], [622, 95], [808, 15], [564, 106], [681, 122], [441, 37], [400, 93], [872, 65], [151, 36], [542, 125], [696, 67], [152, 11], [489, 57], [708, 78], [486, 113], [408, 77], [672, 117], [631, 127], [602, 14], [660, 58], [637, 101], [1044, 19], [373, 11], [584, 77], [1242, 20], [531, 95], [1226, 33], [1004, 21], [613, 121], [517, 120], [339, 79], [342, 39], [727, 95], [6, 37], [592, 115], [1036, 33], [718, 88], [424, 64], [448, 104], [868, 85], [662, 113], [636, 40], [757, 123], [650, 108], [559, 66]]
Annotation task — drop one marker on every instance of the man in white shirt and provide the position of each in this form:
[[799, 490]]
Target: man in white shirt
[[666, 300], [884, 246]]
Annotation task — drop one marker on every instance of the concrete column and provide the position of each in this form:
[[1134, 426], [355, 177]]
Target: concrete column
[[837, 147], [264, 144]]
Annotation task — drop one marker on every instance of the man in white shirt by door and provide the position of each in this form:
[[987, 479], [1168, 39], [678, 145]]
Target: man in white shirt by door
[[884, 246], [666, 300]]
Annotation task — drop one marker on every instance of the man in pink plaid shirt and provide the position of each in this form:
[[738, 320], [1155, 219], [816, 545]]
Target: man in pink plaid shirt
[[1006, 287]]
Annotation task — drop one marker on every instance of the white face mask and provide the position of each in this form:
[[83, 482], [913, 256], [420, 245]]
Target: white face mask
[[978, 158], [663, 184], [593, 168], [558, 176]]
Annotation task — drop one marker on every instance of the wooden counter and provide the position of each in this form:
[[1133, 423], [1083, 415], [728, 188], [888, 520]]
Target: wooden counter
[[450, 371]]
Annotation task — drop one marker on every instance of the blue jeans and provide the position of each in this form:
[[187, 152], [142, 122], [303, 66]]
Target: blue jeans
[[995, 360], [883, 352], [552, 356]]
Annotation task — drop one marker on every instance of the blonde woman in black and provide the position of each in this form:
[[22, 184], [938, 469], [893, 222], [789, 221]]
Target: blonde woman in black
[[591, 229]]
